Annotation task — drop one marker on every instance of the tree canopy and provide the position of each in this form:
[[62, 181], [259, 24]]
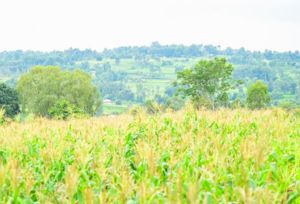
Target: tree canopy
[[208, 82], [258, 95], [9, 100], [42, 87]]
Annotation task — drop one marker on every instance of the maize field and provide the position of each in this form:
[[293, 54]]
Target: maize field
[[223, 156]]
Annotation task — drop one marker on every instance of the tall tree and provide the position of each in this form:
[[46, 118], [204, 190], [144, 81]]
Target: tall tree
[[9, 100], [258, 95], [42, 87], [208, 82]]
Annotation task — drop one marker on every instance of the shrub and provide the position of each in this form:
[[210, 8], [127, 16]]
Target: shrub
[[202, 102], [288, 105], [2, 116], [174, 103], [9, 100], [63, 110], [152, 107], [135, 110], [237, 103], [258, 95]]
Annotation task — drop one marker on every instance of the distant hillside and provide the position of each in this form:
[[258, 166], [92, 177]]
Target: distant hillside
[[134, 74]]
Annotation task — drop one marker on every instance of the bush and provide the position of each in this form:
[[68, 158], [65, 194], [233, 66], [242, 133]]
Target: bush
[[2, 116], [9, 100], [237, 103], [258, 95], [174, 103], [152, 107], [288, 105], [297, 112], [202, 102], [63, 110], [136, 110]]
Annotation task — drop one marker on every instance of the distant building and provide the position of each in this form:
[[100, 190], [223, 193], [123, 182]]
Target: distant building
[[107, 101]]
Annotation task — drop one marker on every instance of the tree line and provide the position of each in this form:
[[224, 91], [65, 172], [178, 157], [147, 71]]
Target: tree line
[[279, 70], [55, 93]]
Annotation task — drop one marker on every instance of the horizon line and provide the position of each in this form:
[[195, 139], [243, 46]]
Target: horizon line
[[219, 47]]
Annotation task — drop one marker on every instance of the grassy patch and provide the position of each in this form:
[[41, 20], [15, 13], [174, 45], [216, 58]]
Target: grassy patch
[[111, 109]]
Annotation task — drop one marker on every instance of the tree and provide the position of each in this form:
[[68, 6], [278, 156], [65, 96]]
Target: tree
[[9, 100], [258, 95], [2, 116], [42, 87], [208, 80]]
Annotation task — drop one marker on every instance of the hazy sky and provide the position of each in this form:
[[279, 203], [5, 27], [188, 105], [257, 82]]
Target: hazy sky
[[98, 24]]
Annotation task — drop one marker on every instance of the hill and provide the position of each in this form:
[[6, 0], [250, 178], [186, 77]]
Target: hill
[[129, 75]]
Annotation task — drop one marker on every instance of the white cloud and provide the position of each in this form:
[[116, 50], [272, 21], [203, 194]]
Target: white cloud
[[96, 24]]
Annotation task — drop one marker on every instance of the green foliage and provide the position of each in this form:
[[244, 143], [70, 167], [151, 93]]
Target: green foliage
[[113, 109], [288, 105], [152, 107], [208, 80], [117, 72], [223, 156], [63, 110], [237, 103], [9, 100], [258, 95], [41, 87], [202, 102], [174, 103], [298, 93], [136, 110], [2, 116]]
